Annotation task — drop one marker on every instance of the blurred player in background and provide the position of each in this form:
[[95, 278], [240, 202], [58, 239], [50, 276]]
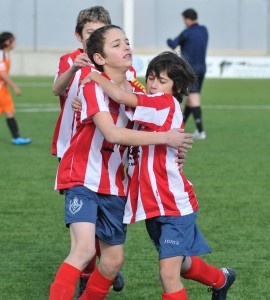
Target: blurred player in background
[[158, 191], [7, 43], [193, 43]]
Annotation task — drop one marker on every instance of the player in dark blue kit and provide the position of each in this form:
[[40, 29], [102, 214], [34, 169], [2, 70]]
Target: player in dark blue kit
[[193, 43]]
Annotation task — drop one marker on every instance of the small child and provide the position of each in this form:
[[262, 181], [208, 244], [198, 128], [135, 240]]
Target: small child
[[157, 191], [72, 69], [7, 43]]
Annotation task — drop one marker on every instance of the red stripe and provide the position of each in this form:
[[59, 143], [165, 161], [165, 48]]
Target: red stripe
[[106, 151], [71, 169], [81, 150], [191, 195], [147, 194]]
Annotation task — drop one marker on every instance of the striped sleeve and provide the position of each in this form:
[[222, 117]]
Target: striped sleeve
[[93, 100], [153, 111]]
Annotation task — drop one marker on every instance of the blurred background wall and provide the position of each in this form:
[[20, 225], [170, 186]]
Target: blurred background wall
[[45, 28]]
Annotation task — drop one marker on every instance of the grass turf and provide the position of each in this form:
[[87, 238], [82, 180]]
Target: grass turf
[[230, 172]]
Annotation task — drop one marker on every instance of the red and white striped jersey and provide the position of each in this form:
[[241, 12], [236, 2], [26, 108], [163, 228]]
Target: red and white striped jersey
[[66, 123], [156, 186], [90, 160]]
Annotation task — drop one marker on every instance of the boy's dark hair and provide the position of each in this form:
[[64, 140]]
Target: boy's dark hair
[[190, 14], [178, 70], [95, 43], [92, 14], [5, 38]]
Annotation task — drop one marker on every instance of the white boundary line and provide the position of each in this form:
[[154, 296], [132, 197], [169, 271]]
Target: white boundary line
[[40, 107], [37, 104], [35, 84], [44, 109], [36, 107], [243, 107]]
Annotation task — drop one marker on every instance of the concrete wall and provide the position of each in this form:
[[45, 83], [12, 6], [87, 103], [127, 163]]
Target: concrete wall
[[239, 26], [44, 63], [45, 28]]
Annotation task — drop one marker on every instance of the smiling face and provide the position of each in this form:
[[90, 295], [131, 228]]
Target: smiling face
[[159, 84]]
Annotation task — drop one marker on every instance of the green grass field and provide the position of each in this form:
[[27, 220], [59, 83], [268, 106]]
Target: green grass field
[[230, 172]]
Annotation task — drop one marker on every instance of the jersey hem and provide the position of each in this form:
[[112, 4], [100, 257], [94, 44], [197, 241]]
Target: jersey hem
[[61, 187], [157, 214]]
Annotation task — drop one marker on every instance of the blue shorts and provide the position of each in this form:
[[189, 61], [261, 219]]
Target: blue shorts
[[176, 236], [106, 211]]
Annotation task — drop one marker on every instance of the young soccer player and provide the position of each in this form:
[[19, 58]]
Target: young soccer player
[[158, 192], [91, 172], [7, 43], [72, 69]]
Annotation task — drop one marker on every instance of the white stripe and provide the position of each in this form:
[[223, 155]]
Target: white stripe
[[42, 107], [151, 115], [176, 184], [35, 84], [94, 166], [36, 105], [66, 126], [128, 212], [153, 179], [33, 110]]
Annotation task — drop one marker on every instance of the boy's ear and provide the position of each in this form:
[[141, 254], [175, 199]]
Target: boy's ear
[[78, 37], [99, 60]]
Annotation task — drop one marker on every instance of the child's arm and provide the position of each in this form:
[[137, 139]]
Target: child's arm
[[11, 83], [174, 138], [62, 82], [113, 91]]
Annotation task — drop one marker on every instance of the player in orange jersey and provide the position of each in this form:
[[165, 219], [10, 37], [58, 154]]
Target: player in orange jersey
[[7, 43]]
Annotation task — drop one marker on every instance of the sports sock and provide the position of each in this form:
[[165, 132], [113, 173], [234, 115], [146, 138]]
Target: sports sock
[[180, 295], [97, 248], [206, 274], [63, 287], [13, 127], [197, 115], [86, 272], [186, 113], [90, 268], [97, 287]]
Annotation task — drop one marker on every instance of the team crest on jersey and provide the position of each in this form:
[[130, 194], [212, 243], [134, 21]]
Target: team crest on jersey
[[75, 205]]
